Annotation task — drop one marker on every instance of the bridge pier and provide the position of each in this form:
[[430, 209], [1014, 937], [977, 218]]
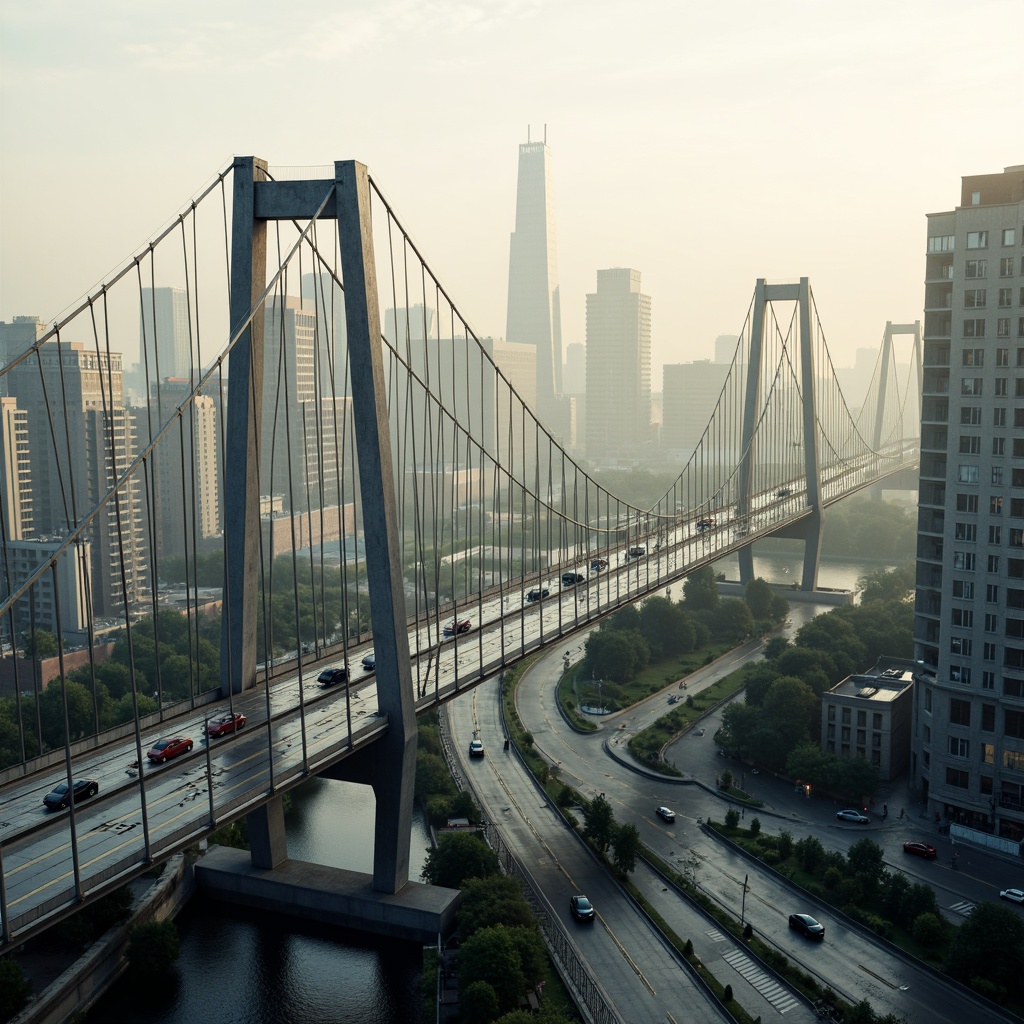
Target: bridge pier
[[268, 845]]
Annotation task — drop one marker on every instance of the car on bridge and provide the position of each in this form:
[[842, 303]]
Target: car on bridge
[[537, 595], [807, 925], [581, 908], [330, 676], [666, 814], [57, 799], [370, 662], [224, 723], [598, 564], [848, 814], [783, 492], [163, 750], [571, 579], [705, 524], [457, 626], [925, 850], [637, 551]]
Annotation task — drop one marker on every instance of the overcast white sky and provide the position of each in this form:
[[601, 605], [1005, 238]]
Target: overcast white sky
[[705, 145]]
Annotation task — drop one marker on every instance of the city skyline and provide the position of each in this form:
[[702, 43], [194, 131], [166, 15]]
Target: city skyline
[[753, 142]]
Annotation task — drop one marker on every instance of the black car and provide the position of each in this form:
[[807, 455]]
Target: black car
[[806, 925], [570, 579], [537, 595], [330, 676], [57, 799], [370, 662], [638, 551], [581, 908]]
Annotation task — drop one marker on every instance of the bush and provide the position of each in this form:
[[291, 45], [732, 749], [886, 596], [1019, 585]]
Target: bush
[[755, 827], [732, 818], [929, 930], [14, 988], [152, 949]]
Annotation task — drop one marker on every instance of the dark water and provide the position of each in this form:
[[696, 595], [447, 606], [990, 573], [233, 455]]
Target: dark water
[[242, 967]]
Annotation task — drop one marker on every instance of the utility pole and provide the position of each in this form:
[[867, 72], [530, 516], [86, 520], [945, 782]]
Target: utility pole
[[743, 904]]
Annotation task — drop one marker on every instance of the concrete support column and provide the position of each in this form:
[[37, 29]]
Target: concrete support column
[[812, 473], [268, 845], [745, 483]]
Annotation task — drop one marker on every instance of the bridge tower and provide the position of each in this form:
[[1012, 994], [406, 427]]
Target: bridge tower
[[388, 765], [809, 527], [887, 364]]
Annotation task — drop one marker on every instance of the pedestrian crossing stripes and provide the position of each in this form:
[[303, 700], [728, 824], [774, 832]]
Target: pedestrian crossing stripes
[[781, 998], [716, 936], [963, 907]]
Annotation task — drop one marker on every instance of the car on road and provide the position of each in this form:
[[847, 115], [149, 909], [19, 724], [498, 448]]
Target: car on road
[[476, 748], [666, 814], [581, 908], [598, 564], [705, 524], [370, 662], [1013, 895], [537, 595], [330, 676], [851, 815], [570, 579], [925, 850], [638, 551], [224, 723], [783, 492], [164, 750], [57, 799], [457, 626], [807, 925]]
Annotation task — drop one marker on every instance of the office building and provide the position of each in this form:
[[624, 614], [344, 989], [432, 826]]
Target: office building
[[618, 368], [164, 336], [690, 393], [534, 315], [968, 744], [39, 607], [16, 520], [322, 294]]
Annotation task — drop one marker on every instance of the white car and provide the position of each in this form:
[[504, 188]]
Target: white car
[[476, 749], [851, 815], [666, 814], [1013, 895]]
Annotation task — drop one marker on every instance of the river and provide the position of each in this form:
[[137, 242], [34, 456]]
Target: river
[[247, 968]]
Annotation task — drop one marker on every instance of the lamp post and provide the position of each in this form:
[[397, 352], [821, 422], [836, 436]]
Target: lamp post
[[743, 904]]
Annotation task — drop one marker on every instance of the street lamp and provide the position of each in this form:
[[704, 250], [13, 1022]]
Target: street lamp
[[743, 905]]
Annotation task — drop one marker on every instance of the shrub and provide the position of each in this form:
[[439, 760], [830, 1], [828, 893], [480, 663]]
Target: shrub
[[755, 826], [732, 818], [152, 949], [14, 988]]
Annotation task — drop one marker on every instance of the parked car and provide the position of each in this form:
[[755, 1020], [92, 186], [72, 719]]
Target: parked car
[[666, 813], [581, 908], [476, 748], [370, 662], [164, 750], [598, 564], [224, 723], [1013, 895], [457, 626], [921, 850], [851, 815], [806, 925], [538, 595], [570, 579], [57, 799], [330, 676]]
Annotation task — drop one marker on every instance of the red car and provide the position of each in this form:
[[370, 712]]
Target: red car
[[463, 626], [224, 723], [164, 750], [921, 850]]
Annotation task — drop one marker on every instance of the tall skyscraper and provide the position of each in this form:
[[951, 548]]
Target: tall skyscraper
[[164, 335], [968, 741], [15, 473], [690, 393], [618, 367], [321, 294], [534, 315]]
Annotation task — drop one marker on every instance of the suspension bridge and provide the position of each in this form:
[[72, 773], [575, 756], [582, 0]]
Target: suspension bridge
[[328, 469]]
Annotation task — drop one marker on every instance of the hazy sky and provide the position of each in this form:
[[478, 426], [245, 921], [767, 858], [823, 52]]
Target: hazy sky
[[705, 145]]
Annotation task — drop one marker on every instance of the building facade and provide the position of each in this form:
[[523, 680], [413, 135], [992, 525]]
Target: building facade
[[968, 744], [164, 345], [618, 368], [16, 520]]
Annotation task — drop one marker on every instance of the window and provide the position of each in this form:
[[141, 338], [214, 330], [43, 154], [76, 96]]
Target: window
[[940, 243], [973, 357], [992, 565], [1005, 298], [959, 712], [999, 416], [1016, 537], [998, 445], [927, 699], [970, 386], [960, 674], [1013, 760], [1002, 329], [974, 328], [977, 240], [964, 560], [1009, 236], [961, 645], [957, 779], [995, 505], [963, 589], [1006, 266], [975, 199], [967, 503], [1013, 724], [1020, 325], [1013, 688], [967, 474], [970, 445], [975, 269], [1003, 356], [992, 593], [997, 475], [970, 416], [959, 747], [974, 298], [988, 680], [966, 531], [962, 617], [988, 652], [1000, 390], [995, 535]]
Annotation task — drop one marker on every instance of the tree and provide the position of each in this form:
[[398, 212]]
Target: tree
[[626, 619], [700, 591], [866, 860], [479, 1002], [665, 628], [990, 945], [598, 823], [496, 899], [457, 857], [625, 848], [152, 949], [775, 648], [616, 654], [41, 644], [15, 988], [887, 584], [491, 956], [734, 621], [758, 595]]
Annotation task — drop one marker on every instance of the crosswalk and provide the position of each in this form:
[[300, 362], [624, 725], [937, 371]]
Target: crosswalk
[[963, 907], [781, 998]]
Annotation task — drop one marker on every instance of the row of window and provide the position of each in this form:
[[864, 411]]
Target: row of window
[[969, 474], [975, 240], [977, 298], [975, 328], [862, 717], [976, 269]]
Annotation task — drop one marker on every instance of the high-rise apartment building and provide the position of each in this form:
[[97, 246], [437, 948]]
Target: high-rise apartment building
[[618, 367], [15, 473], [321, 293], [534, 314], [164, 345], [968, 742], [690, 392]]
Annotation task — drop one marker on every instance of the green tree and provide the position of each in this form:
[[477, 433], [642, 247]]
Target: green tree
[[15, 988], [990, 945], [496, 899], [929, 930], [598, 823], [625, 619], [491, 956], [888, 584], [700, 591], [81, 720], [41, 644], [615, 654], [152, 949], [479, 1002], [866, 860], [666, 628], [457, 857], [733, 619], [626, 848], [758, 595]]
